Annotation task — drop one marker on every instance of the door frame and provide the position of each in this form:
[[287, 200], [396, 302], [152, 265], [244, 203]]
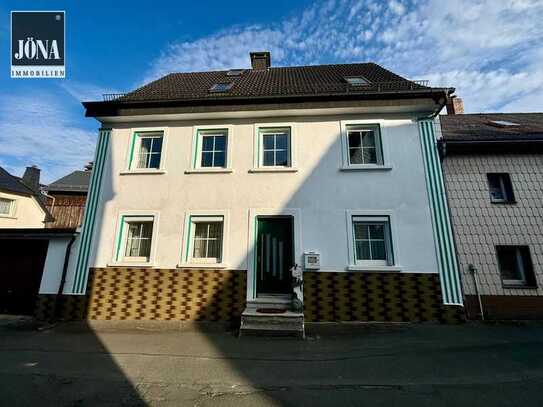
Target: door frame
[[254, 213]]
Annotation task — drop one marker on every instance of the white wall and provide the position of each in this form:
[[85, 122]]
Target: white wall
[[54, 263], [319, 189], [27, 212]]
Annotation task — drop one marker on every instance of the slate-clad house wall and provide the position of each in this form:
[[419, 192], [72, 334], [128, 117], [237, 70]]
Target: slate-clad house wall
[[133, 198], [475, 146]]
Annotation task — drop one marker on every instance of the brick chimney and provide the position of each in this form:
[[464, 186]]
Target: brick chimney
[[31, 178], [260, 60], [455, 105]]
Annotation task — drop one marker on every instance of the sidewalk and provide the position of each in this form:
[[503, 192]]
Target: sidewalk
[[422, 365]]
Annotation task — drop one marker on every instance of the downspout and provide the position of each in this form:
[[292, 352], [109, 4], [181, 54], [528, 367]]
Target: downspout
[[63, 277], [473, 272]]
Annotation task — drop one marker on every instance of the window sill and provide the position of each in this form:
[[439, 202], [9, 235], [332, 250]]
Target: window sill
[[353, 267], [209, 171], [131, 264], [366, 168], [273, 169], [503, 202], [142, 172], [202, 266], [8, 217]]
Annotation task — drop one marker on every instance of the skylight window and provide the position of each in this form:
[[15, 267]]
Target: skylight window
[[235, 72], [221, 87], [356, 81], [503, 123]]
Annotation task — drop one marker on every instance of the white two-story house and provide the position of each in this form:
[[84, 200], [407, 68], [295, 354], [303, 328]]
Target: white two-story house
[[208, 187]]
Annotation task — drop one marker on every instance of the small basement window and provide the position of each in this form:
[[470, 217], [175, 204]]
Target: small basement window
[[356, 81], [500, 188], [515, 266], [220, 87]]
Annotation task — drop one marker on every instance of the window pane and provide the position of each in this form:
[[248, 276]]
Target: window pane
[[368, 139], [146, 145], [200, 230], [199, 248], [207, 143], [281, 158], [5, 206], [207, 159], [281, 142], [378, 251], [215, 230], [219, 160], [360, 231], [157, 145], [369, 156], [268, 158], [220, 143], [155, 161], [138, 242], [214, 249], [267, 141], [377, 231], [354, 139], [362, 250], [355, 156], [508, 264]]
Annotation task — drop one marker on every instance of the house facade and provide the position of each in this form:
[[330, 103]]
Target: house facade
[[21, 202], [209, 189], [493, 169]]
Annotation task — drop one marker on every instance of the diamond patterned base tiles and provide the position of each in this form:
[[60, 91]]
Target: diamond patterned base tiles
[[154, 294], [333, 297]]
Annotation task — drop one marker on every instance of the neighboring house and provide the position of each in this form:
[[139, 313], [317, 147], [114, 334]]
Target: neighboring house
[[67, 198], [24, 241], [493, 165], [22, 205], [208, 187]]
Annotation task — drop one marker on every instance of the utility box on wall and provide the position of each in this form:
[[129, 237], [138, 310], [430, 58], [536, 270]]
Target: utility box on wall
[[312, 261]]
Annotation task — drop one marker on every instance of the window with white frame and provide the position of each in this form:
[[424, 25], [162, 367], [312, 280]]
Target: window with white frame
[[212, 148], [275, 147], [148, 150], [372, 243], [515, 265], [136, 239], [6, 206], [363, 145], [206, 239]]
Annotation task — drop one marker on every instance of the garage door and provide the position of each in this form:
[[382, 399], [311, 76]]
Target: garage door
[[21, 267]]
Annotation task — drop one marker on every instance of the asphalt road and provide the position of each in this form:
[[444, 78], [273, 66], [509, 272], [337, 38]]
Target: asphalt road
[[406, 365]]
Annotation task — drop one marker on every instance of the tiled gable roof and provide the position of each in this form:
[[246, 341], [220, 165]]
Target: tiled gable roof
[[10, 183], [491, 127], [274, 81], [77, 181]]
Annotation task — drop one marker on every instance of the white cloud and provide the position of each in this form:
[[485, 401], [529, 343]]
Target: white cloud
[[38, 130], [490, 50], [85, 91]]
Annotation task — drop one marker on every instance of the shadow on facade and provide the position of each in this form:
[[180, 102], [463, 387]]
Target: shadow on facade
[[219, 296]]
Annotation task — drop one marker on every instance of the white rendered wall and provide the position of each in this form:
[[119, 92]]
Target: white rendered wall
[[54, 263], [320, 191], [27, 213]]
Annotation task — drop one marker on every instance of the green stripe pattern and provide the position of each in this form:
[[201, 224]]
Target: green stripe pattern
[[443, 237], [87, 229]]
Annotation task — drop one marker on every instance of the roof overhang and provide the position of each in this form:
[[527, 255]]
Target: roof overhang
[[429, 101], [34, 233], [504, 146]]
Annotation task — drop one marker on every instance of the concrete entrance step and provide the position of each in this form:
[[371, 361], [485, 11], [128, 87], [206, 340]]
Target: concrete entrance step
[[270, 302], [285, 323]]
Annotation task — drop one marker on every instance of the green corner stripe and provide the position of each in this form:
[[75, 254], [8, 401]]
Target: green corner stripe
[[131, 156], [81, 270], [441, 224], [119, 239]]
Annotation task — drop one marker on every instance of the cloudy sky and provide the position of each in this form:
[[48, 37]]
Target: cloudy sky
[[490, 51]]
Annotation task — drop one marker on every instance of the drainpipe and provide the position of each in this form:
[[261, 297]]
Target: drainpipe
[[63, 277], [473, 272]]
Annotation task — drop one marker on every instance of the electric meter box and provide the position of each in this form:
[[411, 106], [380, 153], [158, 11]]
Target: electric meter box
[[312, 261]]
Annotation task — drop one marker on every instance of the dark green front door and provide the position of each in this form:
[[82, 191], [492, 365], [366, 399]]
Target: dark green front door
[[275, 255]]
